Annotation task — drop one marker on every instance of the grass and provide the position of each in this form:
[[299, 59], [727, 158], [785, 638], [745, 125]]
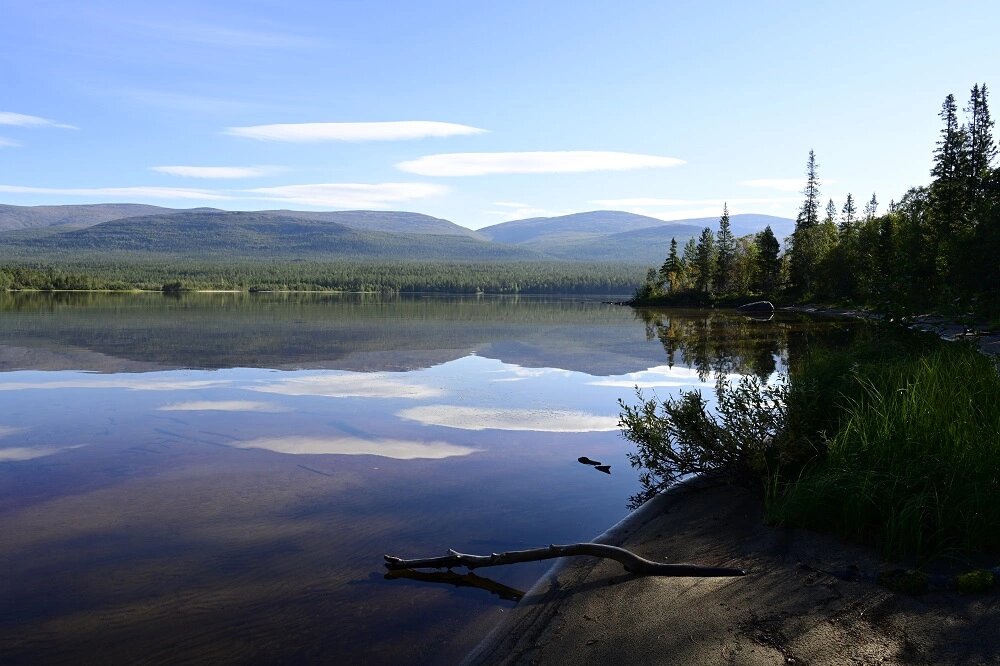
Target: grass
[[912, 451]]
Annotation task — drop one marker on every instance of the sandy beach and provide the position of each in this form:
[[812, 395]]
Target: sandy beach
[[796, 605]]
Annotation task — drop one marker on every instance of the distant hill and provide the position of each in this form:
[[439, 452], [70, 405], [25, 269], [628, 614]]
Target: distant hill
[[214, 234], [29, 217], [579, 226], [76, 232], [609, 235], [381, 220]]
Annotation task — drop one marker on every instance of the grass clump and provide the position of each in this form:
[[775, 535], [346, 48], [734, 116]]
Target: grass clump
[[975, 582], [912, 461]]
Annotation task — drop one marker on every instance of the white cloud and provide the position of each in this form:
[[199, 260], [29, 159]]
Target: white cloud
[[483, 418], [356, 446], [218, 171], [24, 120], [354, 385], [367, 131], [510, 204], [130, 193], [8, 143], [350, 195], [7, 431], [782, 184], [18, 453], [222, 406], [560, 161]]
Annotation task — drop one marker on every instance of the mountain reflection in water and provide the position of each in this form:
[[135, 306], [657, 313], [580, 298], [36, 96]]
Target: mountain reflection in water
[[216, 477]]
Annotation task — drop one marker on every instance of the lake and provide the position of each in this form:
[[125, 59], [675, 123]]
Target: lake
[[215, 477]]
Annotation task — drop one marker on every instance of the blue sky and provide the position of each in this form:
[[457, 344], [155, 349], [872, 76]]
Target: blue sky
[[479, 112]]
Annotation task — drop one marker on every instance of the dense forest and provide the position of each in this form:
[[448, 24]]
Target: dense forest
[[400, 276], [937, 247]]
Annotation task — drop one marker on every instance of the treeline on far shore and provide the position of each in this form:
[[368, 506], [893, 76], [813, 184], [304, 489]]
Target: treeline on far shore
[[937, 247], [247, 275]]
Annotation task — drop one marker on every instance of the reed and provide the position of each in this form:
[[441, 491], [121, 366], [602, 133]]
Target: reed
[[912, 454]]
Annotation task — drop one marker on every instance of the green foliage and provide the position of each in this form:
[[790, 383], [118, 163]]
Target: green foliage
[[256, 275], [912, 447], [682, 436]]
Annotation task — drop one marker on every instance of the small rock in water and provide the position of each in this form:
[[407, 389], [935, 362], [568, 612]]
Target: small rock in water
[[587, 461], [604, 468]]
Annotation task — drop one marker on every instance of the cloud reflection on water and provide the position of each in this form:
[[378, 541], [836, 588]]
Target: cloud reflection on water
[[661, 376], [354, 385], [18, 453], [354, 446], [488, 418]]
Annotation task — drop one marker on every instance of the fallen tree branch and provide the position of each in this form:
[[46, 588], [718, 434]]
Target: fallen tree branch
[[632, 562]]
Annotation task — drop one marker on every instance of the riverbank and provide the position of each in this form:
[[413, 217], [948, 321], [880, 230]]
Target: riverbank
[[986, 339], [805, 599]]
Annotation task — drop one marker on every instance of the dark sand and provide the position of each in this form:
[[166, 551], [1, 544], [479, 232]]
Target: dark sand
[[787, 610]]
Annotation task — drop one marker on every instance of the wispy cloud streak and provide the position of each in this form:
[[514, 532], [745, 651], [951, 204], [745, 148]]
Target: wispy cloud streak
[[24, 120], [564, 161], [365, 131]]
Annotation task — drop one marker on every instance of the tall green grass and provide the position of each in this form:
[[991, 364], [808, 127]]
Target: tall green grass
[[912, 460]]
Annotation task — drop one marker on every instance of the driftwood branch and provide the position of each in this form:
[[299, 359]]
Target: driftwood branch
[[632, 562]]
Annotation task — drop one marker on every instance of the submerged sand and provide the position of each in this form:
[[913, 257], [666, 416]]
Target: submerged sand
[[794, 606]]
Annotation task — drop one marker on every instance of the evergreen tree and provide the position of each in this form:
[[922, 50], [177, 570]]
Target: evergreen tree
[[849, 214], [980, 148], [804, 252], [831, 212], [809, 213], [689, 264], [948, 190], [871, 208], [671, 268], [769, 265], [725, 253], [705, 259]]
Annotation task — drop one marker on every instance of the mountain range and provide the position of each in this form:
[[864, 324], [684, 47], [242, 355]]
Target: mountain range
[[67, 232]]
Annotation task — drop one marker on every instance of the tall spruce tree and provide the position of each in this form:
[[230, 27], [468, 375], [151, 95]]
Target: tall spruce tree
[[769, 264], [809, 213], [831, 212], [705, 259], [725, 253], [980, 148], [804, 253], [849, 214], [671, 268], [948, 190], [871, 208]]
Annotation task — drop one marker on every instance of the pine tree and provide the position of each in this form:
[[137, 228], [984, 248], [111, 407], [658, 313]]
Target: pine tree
[[831, 212], [769, 265], [849, 212], [705, 259], [809, 213], [803, 253], [871, 208], [670, 270], [949, 188], [981, 150], [725, 252], [689, 263]]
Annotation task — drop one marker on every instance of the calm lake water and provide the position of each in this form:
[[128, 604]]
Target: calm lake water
[[215, 478]]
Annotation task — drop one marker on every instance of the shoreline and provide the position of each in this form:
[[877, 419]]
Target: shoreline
[[801, 601]]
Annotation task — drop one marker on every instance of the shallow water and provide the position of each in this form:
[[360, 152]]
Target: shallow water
[[215, 478]]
